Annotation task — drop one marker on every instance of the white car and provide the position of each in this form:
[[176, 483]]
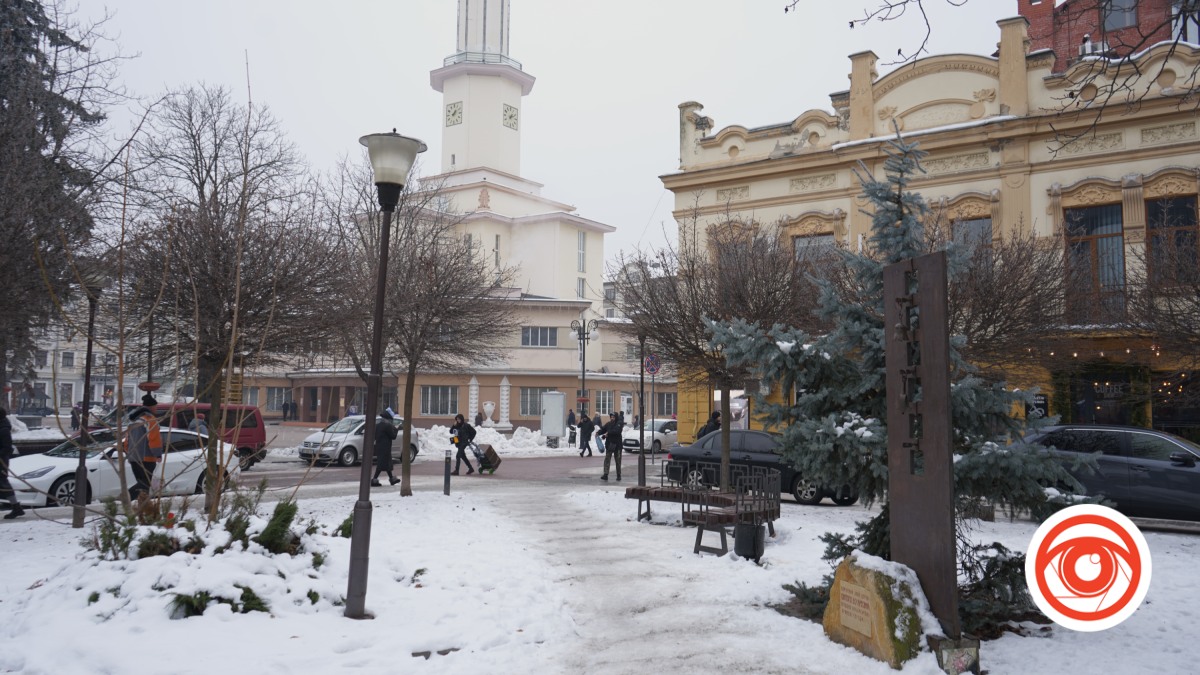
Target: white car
[[48, 479], [660, 433], [342, 441]]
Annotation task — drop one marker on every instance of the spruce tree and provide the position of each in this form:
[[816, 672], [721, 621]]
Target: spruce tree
[[44, 186], [833, 414]]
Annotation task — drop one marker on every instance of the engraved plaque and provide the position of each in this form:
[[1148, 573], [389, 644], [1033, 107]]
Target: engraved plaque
[[856, 608]]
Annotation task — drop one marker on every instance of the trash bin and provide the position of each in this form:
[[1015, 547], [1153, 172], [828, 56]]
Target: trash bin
[[749, 540]]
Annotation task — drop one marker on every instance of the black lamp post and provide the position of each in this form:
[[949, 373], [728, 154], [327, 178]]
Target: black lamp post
[[92, 286], [585, 332], [392, 157], [642, 409]]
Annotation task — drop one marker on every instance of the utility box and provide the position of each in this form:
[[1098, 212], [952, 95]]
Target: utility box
[[554, 417]]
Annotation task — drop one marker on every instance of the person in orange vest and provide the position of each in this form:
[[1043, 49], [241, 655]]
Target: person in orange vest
[[145, 446]]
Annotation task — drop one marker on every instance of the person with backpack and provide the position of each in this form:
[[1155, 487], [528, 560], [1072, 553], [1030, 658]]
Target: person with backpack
[[463, 433], [145, 446], [612, 443], [713, 424]]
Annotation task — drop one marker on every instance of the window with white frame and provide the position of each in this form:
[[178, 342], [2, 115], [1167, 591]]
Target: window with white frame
[[439, 400], [39, 358], [68, 359], [813, 247], [666, 403], [66, 394], [252, 396], [581, 287], [276, 397], [582, 251], [604, 401], [531, 400], [539, 336]]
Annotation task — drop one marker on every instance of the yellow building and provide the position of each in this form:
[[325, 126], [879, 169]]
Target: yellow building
[[1012, 142]]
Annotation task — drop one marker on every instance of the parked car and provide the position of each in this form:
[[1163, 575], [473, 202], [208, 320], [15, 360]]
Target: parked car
[[342, 441], [1143, 472], [660, 433], [37, 411], [48, 479], [751, 449], [244, 427]]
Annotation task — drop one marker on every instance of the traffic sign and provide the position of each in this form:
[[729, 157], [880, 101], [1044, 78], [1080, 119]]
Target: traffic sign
[[652, 364]]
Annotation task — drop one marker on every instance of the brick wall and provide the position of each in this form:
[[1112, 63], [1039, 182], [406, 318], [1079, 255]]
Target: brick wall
[[1063, 28]]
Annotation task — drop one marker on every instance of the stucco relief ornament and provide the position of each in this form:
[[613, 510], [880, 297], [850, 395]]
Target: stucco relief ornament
[[985, 95], [485, 200], [887, 112]]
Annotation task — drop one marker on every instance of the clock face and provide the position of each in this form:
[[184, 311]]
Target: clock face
[[453, 113], [510, 116]]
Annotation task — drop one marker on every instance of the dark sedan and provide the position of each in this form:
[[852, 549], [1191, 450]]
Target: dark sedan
[[751, 449], [1145, 473]]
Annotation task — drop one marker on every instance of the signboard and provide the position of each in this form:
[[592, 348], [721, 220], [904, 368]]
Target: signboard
[[1039, 408], [652, 364], [856, 608]]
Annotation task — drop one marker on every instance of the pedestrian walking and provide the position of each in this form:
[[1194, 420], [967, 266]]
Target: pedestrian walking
[[199, 424], [596, 424], [586, 429], [478, 418], [6, 453], [571, 417], [612, 443], [713, 424], [74, 418], [294, 409], [385, 433], [145, 446], [462, 434]]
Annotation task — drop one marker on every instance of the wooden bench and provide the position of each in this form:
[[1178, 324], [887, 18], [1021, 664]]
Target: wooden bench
[[755, 502]]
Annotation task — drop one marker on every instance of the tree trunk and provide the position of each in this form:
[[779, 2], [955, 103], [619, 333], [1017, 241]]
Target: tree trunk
[[209, 376], [406, 465], [724, 436]]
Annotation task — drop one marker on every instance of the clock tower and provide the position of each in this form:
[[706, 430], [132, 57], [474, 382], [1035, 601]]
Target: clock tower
[[481, 92]]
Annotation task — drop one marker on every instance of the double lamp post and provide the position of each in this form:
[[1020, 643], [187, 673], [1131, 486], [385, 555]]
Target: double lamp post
[[392, 157], [585, 332]]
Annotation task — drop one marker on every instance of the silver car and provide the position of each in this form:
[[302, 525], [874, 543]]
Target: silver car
[[660, 433], [342, 441]]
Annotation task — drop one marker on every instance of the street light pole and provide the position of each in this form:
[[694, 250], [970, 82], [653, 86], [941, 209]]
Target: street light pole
[[642, 410], [392, 157], [92, 287], [585, 332]]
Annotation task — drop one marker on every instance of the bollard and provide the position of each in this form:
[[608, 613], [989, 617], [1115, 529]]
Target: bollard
[[446, 486]]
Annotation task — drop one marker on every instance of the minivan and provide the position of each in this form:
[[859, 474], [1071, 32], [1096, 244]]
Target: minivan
[[244, 426]]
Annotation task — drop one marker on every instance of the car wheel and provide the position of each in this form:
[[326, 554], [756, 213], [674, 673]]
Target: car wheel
[[806, 493], [694, 480], [656, 446], [246, 458], [200, 483], [348, 456], [62, 493], [845, 496], [412, 452]]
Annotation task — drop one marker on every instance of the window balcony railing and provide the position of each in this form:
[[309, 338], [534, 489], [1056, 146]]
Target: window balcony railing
[[481, 57]]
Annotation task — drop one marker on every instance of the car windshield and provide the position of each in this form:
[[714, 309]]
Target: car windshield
[[344, 425], [651, 425], [70, 448]]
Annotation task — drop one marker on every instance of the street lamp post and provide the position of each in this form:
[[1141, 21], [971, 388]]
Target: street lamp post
[[642, 409], [92, 287], [392, 157], [585, 332]]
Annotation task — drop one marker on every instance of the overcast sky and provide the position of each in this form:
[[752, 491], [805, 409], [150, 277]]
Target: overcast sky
[[601, 123]]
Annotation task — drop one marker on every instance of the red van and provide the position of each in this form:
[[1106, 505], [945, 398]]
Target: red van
[[244, 426]]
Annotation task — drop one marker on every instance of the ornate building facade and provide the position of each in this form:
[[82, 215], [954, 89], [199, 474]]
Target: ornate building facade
[[1025, 138]]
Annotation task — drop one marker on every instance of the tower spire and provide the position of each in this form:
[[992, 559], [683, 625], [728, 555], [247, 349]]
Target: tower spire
[[483, 27]]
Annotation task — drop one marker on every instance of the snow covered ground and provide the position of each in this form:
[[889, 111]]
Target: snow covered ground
[[514, 578]]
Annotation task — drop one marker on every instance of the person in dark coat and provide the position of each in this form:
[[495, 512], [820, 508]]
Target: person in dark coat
[[463, 434], [6, 453], [612, 443], [74, 419], [713, 424], [385, 433], [586, 429], [571, 417], [478, 418]]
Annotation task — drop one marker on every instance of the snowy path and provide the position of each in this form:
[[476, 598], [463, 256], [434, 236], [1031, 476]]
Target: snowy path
[[637, 594]]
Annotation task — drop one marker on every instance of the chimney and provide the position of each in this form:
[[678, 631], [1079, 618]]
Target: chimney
[[1014, 79], [1040, 14], [862, 94]]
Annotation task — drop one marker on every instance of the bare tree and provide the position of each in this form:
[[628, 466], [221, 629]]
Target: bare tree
[[728, 270], [445, 306], [231, 255], [1164, 284]]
